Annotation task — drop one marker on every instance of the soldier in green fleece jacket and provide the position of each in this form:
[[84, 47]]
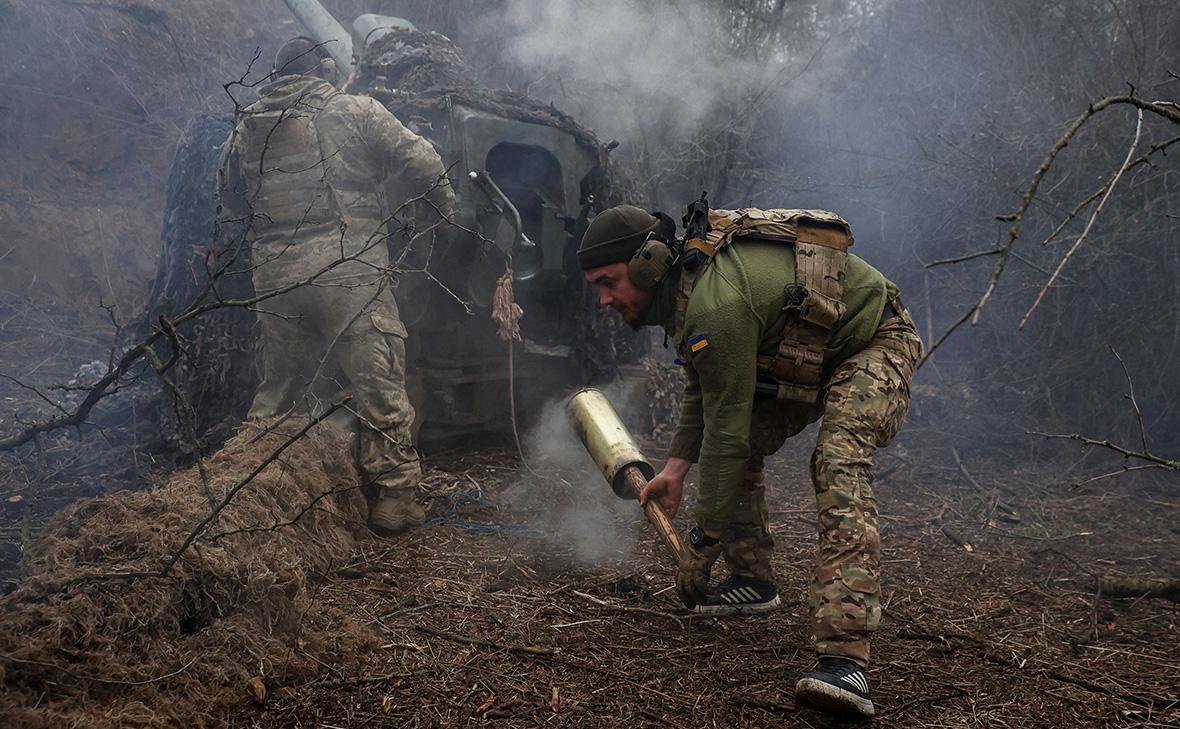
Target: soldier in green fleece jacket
[[749, 343]]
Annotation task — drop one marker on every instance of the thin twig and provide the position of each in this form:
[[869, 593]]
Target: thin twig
[[1131, 396], [1159, 461], [1090, 223], [968, 257], [972, 315]]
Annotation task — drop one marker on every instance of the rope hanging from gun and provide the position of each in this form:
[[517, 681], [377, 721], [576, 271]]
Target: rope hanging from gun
[[505, 311]]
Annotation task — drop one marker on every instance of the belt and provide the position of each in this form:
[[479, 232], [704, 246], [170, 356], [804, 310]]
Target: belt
[[892, 309]]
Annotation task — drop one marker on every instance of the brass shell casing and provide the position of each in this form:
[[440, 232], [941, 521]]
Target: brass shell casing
[[607, 440]]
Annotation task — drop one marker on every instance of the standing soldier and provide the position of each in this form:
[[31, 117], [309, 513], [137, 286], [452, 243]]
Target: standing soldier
[[311, 174], [777, 326]]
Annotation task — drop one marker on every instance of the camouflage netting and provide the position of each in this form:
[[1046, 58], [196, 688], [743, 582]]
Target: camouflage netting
[[216, 372], [240, 604], [420, 76]]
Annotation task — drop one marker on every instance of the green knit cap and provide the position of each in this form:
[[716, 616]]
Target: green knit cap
[[614, 235]]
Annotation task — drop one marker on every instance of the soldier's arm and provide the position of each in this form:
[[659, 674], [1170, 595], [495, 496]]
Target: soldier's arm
[[725, 361], [686, 441], [407, 157]]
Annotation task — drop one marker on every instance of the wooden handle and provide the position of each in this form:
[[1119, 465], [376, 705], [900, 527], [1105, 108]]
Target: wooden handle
[[655, 514]]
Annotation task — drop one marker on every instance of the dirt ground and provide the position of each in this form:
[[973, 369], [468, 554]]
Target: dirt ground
[[495, 617], [534, 601]]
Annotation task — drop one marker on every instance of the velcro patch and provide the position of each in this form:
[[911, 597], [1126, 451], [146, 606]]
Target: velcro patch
[[698, 342]]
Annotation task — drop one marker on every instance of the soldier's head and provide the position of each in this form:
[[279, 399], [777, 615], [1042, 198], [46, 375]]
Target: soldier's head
[[626, 252], [302, 56]]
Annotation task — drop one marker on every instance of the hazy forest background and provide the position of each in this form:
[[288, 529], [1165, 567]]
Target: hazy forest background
[[919, 120]]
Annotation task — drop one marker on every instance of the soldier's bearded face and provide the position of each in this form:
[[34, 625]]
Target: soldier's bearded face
[[616, 290]]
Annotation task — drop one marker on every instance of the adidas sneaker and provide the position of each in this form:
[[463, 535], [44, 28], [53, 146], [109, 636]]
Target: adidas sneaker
[[739, 595], [837, 687]]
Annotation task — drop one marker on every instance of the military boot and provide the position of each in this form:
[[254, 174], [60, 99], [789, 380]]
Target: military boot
[[394, 512]]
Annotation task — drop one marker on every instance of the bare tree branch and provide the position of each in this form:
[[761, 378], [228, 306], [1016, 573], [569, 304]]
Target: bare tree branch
[[1090, 223], [1165, 109]]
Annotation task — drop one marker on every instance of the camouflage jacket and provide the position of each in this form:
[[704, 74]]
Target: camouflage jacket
[[315, 173], [734, 314]]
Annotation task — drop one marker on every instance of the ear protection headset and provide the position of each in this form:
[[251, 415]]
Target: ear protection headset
[[657, 255], [325, 68], [329, 71]]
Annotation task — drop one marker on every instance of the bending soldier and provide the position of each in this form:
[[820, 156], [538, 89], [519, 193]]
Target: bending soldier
[[314, 172], [777, 326]]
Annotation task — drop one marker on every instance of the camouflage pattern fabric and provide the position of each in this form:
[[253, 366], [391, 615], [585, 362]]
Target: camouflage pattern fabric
[[321, 343], [867, 400], [313, 174], [866, 403]]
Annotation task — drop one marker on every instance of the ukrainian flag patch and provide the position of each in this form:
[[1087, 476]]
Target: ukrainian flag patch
[[697, 342]]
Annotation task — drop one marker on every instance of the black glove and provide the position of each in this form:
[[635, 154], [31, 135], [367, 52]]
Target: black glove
[[696, 562]]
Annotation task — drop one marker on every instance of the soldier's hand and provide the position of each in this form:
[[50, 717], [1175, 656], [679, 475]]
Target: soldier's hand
[[692, 577], [668, 486]]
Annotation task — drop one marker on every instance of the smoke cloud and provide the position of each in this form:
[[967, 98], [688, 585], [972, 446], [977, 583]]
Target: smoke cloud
[[596, 524], [625, 62]]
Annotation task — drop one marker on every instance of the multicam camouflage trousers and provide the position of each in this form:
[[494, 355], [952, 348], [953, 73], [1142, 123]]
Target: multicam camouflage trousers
[[322, 342], [866, 402]]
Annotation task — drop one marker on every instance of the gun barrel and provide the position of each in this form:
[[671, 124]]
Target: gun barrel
[[325, 29]]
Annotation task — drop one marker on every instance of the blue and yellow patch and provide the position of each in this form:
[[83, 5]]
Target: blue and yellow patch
[[697, 342]]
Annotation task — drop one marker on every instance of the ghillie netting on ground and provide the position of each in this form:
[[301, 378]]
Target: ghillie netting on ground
[[236, 612]]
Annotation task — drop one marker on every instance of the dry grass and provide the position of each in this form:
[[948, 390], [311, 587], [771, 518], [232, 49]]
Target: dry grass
[[81, 646]]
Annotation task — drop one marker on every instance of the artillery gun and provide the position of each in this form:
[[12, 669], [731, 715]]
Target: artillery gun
[[527, 179]]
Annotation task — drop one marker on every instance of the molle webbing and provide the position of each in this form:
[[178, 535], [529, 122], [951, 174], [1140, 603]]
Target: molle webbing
[[281, 154], [821, 240]]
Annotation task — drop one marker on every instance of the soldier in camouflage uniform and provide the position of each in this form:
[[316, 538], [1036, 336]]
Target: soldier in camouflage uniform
[[726, 320], [313, 173]]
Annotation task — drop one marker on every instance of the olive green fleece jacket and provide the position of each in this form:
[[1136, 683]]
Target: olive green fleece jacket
[[735, 310]]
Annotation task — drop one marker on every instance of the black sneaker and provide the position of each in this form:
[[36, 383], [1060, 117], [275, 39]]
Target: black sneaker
[[739, 595], [837, 687]]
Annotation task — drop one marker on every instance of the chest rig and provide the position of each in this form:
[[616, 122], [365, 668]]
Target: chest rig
[[820, 240]]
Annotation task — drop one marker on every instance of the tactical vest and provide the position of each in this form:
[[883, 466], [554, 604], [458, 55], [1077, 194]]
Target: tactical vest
[[820, 240], [284, 165]]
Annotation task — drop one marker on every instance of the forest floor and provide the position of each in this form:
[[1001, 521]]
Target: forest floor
[[497, 617]]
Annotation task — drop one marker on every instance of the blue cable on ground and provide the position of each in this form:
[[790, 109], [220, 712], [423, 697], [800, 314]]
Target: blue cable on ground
[[462, 502]]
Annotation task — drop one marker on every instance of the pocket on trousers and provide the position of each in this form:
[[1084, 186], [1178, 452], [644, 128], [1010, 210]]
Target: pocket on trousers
[[857, 578], [903, 365]]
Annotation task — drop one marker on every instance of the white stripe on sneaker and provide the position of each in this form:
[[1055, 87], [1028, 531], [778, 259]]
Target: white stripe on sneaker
[[857, 680]]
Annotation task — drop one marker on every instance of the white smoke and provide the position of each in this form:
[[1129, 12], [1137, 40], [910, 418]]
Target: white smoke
[[621, 61], [598, 526]]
